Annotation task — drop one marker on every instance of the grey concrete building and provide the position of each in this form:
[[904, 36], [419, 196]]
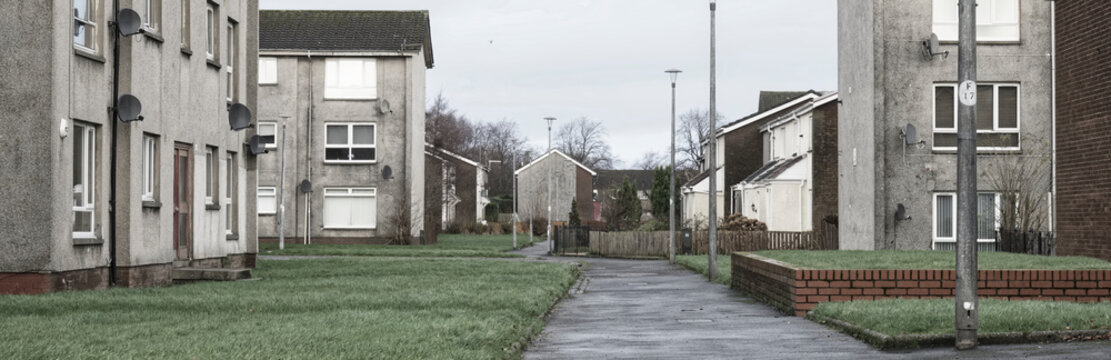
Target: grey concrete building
[[90, 199], [887, 80], [570, 180], [348, 89]]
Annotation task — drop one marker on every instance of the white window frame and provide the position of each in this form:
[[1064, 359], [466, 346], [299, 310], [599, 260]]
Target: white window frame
[[231, 182], [152, 16], [274, 125], [991, 25], [210, 175], [336, 89], [150, 166], [232, 85], [92, 38], [350, 145], [956, 218], [996, 129], [270, 192], [267, 70], [211, 27], [88, 179], [185, 18], [357, 192]]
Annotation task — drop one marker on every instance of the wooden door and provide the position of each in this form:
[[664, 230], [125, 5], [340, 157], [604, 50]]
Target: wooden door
[[183, 204]]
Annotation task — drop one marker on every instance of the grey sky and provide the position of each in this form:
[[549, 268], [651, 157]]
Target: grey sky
[[524, 60]]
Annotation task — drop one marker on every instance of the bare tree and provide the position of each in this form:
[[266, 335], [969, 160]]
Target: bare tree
[[585, 141], [651, 160], [446, 128], [693, 131], [498, 141], [1022, 182]]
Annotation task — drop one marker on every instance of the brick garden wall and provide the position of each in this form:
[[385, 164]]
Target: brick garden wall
[[798, 290]]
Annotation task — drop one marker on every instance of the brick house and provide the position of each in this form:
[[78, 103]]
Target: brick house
[[1083, 207]]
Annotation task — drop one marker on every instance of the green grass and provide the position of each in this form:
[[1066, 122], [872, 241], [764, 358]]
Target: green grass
[[928, 260], [926, 317], [700, 264], [449, 245], [357, 308]]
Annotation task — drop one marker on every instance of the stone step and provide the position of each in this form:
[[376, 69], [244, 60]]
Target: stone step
[[181, 263], [218, 274]]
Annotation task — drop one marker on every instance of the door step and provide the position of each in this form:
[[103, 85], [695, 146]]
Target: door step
[[181, 275]]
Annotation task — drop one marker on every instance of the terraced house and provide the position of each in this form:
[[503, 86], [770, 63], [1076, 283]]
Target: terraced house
[[119, 163], [342, 94]]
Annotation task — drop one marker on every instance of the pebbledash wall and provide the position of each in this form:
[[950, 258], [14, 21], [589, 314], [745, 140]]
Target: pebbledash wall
[[797, 291], [55, 143]]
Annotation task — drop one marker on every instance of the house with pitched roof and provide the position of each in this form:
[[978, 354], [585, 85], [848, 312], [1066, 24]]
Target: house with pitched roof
[[570, 180], [342, 93], [464, 187]]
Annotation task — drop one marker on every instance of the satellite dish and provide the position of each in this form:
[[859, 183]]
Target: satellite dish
[[256, 145], [387, 173], [383, 107], [128, 108], [305, 187], [128, 22], [932, 47], [901, 213], [910, 134], [239, 116]]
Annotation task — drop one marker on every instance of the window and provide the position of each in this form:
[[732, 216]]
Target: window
[[152, 18], [997, 117], [185, 24], [945, 220], [350, 79], [267, 133], [267, 200], [267, 71], [351, 208], [232, 57], [85, 24], [350, 143], [231, 223], [211, 174], [150, 167], [211, 30], [996, 20], [84, 180]]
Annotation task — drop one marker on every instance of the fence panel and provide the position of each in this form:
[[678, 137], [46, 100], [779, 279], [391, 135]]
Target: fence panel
[[629, 243], [732, 241]]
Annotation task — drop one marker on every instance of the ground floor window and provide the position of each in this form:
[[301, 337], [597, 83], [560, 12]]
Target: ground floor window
[[945, 218], [84, 180], [351, 208], [230, 194], [267, 200]]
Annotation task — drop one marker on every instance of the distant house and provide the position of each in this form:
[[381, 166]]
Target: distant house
[[348, 88], [696, 199], [797, 186], [608, 180], [571, 180], [464, 187]]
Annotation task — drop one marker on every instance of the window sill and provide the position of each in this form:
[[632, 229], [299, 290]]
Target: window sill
[[267, 214], [268, 84], [233, 237], [351, 99], [350, 228], [186, 51], [214, 64], [87, 241], [984, 42], [212, 206], [153, 35], [349, 162], [88, 55], [152, 204]]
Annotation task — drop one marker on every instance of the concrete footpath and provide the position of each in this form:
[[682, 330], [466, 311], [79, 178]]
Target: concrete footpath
[[649, 309]]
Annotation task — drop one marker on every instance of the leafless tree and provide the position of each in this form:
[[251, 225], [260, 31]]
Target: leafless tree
[[585, 141], [1022, 182], [446, 128], [652, 160], [498, 141], [693, 131]]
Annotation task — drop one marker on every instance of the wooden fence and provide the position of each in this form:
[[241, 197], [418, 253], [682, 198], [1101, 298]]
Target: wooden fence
[[630, 243], [655, 243]]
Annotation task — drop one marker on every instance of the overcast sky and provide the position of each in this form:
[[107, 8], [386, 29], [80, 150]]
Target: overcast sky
[[604, 59]]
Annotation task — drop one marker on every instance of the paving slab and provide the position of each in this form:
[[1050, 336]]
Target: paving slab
[[649, 309]]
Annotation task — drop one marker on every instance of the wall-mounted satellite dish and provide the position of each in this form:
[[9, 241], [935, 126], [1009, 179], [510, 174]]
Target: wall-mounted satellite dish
[[256, 145], [305, 187], [128, 22], [932, 47], [901, 213], [387, 173], [383, 107], [910, 134], [239, 116], [128, 108]]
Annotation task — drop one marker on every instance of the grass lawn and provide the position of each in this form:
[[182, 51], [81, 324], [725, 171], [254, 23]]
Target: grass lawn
[[928, 260], [303, 309], [449, 245], [903, 317], [700, 264]]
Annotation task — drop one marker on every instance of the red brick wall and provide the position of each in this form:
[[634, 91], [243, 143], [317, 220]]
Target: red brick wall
[[1083, 124], [40, 283], [797, 291]]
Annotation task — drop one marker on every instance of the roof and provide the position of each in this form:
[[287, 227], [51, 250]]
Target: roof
[[793, 102], [331, 30], [771, 170], [560, 153], [701, 182], [430, 147], [642, 179], [772, 99]]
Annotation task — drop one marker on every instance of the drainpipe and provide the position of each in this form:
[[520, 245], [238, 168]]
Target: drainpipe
[[308, 159], [113, 121], [1053, 113]]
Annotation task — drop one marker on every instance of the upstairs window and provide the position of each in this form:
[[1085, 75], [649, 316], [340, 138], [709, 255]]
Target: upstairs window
[[996, 20], [85, 25], [997, 117], [152, 16], [211, 31], [232, 55], [185, 24], [267, 71], [350, 79], [354, 143]]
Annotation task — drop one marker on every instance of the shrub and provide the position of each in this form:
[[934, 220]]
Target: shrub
[[492, 211], [738, 222], [454, 227], [573, 216], [538, 225]]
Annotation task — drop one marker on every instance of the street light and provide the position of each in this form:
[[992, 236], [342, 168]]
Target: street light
[[551, 246], [713, 236], [674, 74]]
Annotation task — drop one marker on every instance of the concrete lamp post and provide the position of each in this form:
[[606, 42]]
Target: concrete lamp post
[[551, 246], [674, 74]]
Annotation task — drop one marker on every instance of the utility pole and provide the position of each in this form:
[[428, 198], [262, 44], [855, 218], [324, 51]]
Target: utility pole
[[551, 246], [713, 238], [281, 191], [674, 73], [513, 173], [966, 301]]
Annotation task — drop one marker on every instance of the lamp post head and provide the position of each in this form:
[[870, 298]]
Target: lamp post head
[[673, 73], [550, 120]]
